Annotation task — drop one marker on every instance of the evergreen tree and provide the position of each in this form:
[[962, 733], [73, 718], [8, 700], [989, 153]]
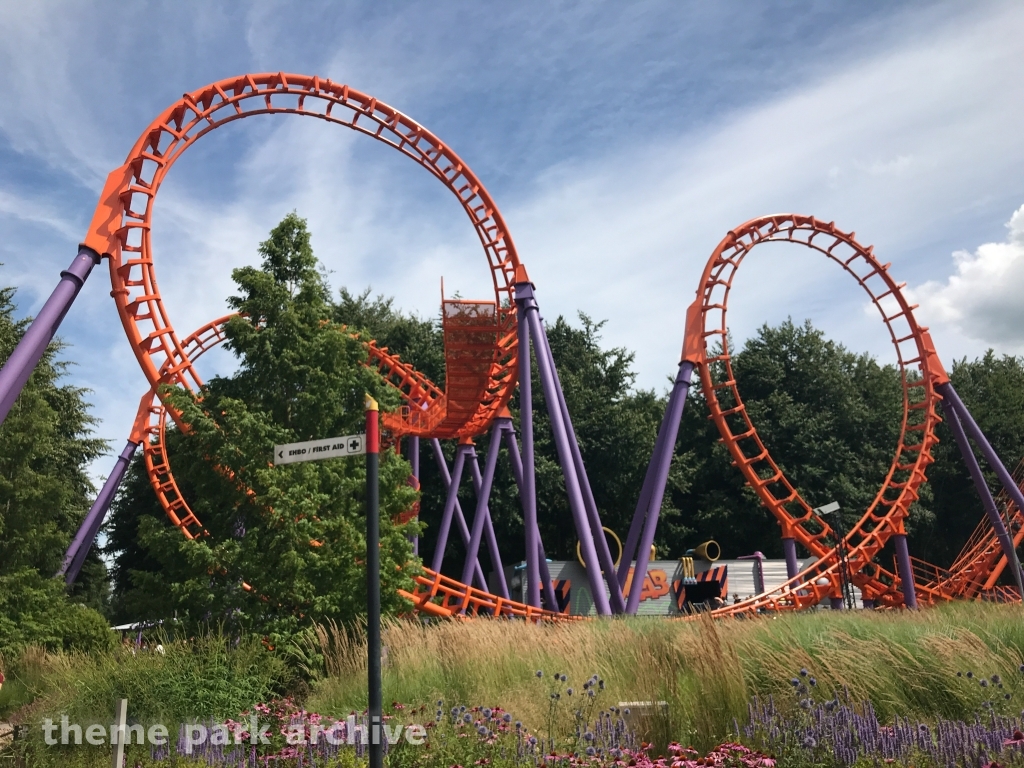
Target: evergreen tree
[[45, 491], [293, 534]]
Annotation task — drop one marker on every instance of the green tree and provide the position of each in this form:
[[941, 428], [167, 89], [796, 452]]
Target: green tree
[[45, 450], [293, 534]]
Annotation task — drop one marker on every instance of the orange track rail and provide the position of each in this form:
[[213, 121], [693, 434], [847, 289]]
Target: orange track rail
[[121, 225], [707, 346]]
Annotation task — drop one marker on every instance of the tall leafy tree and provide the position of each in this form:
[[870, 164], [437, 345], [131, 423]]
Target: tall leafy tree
[[285, 545]]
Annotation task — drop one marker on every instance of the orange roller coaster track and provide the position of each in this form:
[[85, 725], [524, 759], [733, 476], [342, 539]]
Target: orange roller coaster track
[[707, 347], [121, 225]]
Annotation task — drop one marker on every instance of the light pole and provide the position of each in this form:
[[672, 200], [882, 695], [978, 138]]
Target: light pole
[[845, 580]]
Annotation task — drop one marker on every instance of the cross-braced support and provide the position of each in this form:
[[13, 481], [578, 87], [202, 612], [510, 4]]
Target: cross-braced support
[[452, 508], [591, 539], [482, 523], [962, 424], [645, 518], [534, 545]]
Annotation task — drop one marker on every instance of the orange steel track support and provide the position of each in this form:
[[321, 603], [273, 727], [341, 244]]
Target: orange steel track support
[[707, 346]]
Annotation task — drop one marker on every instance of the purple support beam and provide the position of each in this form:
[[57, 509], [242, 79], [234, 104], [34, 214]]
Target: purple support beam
[[482, 523], [670, 424], [414, 461], [525, 299], [452, 508], [30, 349], [528, 484], [792, 564], [905, 570], [604, 554], [640, 513], [543, 580], [835, 603], [959, 419], [82, 543]]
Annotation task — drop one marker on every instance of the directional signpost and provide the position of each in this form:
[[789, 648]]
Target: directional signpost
[[358, 445], [315, 450]]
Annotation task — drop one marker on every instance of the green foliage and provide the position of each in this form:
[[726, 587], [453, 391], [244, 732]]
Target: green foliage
[[45, 449], [34, 610], [294, 534]]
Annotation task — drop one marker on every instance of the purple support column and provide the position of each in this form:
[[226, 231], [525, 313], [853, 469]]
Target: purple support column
[[835, 603], [524, 293], [30, 349], [640, 513], [644, 502], [543, 581], [482, 522], [82, 543], [528, 485], [604, 554], [673, 415], [792, 564], [452, 508], [414, 461], [906, 571], [958, 418]]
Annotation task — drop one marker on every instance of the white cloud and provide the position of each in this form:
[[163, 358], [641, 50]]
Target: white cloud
[[982, 299]]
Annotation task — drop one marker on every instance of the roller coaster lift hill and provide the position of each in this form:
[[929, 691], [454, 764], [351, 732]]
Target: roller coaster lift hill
[[489, 345]]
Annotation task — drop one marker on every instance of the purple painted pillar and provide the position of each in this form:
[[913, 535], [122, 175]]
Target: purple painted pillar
[[906, 571], [528, 485], [482, 522], [959, 418], [673, 415], [640, 513], [413, 447], [525, 299], [30, 349], [539, 559], [82, 543], [792, 564], [452, 509], [604, 554], [835, 603]]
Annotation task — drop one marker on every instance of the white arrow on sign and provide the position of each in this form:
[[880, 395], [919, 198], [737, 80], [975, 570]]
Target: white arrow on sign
[[314, 450]]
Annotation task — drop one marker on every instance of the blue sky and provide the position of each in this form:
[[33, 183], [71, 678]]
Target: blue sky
[[621, 141]]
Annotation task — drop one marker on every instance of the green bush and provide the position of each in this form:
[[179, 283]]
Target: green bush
[[35, 611]]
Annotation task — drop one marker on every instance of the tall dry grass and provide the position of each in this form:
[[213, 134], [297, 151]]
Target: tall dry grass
[[706, 670]]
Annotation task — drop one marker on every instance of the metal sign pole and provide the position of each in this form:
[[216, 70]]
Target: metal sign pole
[[375, 708]]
